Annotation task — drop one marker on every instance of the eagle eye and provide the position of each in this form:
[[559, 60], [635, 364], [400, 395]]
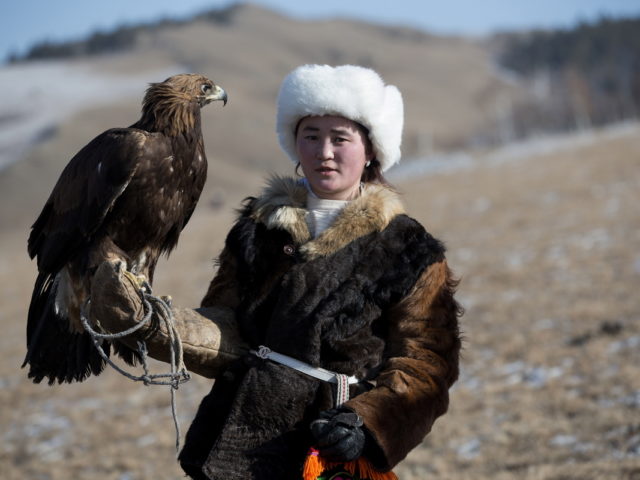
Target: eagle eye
[[205, 88]]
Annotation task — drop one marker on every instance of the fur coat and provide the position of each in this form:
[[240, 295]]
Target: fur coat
[[371, 296]]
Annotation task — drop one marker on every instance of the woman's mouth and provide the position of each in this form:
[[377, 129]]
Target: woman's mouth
[[325, 170]]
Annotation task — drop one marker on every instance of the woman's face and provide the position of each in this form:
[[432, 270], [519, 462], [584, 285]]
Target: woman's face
[[333, 152]]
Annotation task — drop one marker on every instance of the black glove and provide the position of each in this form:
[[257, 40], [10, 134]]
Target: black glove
[[338, 435]]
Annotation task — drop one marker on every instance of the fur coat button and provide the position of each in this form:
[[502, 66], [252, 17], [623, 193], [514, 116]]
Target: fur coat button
[[289, 249]]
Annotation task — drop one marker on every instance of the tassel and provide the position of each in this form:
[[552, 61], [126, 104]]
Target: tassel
[[315, 465]]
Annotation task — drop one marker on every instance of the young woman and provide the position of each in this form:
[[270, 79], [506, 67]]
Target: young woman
[[329, 271]]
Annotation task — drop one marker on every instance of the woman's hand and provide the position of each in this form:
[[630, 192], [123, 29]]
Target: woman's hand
[[339, 436]]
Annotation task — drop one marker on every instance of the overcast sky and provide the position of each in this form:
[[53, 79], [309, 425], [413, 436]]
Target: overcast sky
[[24, 22]]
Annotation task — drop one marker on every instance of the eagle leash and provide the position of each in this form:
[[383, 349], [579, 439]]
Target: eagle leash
[[178, 373]]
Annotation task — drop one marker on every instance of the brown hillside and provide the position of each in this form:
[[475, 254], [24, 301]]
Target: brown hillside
[[449, 86]]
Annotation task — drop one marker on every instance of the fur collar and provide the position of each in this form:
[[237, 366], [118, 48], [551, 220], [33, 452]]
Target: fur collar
[[283, 205]]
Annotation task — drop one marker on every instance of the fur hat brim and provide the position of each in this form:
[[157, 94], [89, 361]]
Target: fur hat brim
[[350, 91]]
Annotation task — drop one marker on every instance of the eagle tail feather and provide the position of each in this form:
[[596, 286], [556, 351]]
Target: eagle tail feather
[[53, 351], [130, 357]]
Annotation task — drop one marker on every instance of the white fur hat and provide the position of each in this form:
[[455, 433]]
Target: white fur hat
[[350, 91]]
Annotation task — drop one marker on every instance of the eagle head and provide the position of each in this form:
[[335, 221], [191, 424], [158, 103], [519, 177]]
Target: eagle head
[[196, 87], [172, 105]]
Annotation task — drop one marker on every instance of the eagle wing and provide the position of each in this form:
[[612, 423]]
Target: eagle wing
[[86, 191]]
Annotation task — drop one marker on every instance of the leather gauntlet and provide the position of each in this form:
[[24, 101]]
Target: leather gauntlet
[[209, 336]]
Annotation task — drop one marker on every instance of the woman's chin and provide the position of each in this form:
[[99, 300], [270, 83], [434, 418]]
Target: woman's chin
[[324, 185]]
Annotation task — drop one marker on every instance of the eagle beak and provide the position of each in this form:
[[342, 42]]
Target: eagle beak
[[218, 93]]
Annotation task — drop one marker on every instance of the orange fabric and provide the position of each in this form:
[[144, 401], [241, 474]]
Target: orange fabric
[[315, 465]]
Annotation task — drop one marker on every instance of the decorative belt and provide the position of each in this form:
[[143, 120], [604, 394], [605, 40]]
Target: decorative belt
[[342, 380]]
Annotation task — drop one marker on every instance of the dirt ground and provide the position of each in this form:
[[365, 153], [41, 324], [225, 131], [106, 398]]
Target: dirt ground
[[547, 248]]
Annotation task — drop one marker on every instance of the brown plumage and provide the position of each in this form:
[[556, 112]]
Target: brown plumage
[[127, 194]]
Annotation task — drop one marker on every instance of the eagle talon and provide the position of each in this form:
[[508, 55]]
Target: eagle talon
[[120, 266], [140, 281]]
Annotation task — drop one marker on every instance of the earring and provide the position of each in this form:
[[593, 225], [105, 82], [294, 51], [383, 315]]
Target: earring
[[367, 164]]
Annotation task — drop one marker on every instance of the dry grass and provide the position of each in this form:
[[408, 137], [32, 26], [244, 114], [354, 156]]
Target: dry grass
[[547, 249]]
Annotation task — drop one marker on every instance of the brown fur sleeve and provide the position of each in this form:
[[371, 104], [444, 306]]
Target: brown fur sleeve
[[421, 364], [223, 289]]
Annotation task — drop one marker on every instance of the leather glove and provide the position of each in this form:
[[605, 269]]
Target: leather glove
[[210, 337], [338, 434]]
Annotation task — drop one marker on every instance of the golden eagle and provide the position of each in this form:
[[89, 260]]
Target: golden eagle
[[127, 194]]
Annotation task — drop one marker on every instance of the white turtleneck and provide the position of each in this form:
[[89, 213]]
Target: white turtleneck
[[322, 212]]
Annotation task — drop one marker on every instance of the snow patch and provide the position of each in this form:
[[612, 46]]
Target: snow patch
[[412, 168], [36, 97]]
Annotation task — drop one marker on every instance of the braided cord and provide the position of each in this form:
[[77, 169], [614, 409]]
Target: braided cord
[[178, 373]]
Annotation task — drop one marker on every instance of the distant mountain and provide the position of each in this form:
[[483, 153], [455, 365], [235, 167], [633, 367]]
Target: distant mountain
[[119, 39], [449, 83], [457, 93], [569, 78]]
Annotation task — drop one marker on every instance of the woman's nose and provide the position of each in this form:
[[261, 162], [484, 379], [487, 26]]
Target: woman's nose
[[325, 150]]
